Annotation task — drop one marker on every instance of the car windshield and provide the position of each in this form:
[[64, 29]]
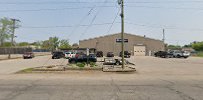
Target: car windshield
[[92, 55]]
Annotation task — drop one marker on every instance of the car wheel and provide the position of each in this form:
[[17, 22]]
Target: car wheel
[[117, 63], [185, 57], [178, 56], [73, 61]]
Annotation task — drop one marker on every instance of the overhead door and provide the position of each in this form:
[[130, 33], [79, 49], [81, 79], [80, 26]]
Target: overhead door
[[140, 50]]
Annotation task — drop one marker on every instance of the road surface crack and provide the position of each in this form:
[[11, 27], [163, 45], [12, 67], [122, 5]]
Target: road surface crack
[[181, 94]]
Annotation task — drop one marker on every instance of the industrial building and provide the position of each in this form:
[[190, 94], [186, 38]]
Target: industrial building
[[137, 45]]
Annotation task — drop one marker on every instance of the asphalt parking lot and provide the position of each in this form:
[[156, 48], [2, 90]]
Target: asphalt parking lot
[[155, 79], [168, 66]]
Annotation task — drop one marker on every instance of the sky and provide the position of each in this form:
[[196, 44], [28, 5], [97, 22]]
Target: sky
[[82, 19]]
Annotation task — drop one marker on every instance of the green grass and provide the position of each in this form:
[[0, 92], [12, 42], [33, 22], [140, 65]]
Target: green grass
[[28, 70], [92, 64], [81, 65], [200, 54]]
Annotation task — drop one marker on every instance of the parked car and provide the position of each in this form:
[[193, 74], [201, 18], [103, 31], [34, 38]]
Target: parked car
[[126, 54], [58, 55], [27, 55], [112, 61], [83, 58], [179, 54], [163, 54], [170, 54], [110, 54], [99, 54], [70, 55]]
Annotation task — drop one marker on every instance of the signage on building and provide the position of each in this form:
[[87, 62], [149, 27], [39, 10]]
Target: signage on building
[[120, 40]]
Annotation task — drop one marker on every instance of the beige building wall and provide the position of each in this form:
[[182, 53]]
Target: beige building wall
[[108, 43]]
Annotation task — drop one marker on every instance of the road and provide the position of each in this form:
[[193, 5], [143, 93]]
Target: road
[[155, 79]]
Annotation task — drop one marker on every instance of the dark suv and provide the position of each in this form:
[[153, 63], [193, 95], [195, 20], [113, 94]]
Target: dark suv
[[58, 55], [99, 54], [110, 54], [83, 58], [163, 54], [126, 54]]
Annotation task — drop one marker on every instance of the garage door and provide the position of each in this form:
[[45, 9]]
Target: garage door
[[139, 50]]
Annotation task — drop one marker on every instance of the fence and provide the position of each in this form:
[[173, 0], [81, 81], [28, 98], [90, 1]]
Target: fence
[[15, 50]]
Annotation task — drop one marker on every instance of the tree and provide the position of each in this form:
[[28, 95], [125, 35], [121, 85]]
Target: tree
[[51, 44], [173, 47], [46, 45], [187, 46], [198, 46], [37, 44], [75, 45], [6, 27], [5, 30], [21, 44], [64, 44], [7, 44], [54, 43]]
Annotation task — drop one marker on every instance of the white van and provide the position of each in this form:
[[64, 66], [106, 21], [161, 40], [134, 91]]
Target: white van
[[69, 55]]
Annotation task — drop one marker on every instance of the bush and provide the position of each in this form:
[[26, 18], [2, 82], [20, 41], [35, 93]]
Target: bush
[[92, 64], [80, 65], [200, 54], [198, 46]]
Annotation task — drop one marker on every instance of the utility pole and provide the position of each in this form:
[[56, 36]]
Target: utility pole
[[164, 38], [163, 35], [121, 2], [12, 35]]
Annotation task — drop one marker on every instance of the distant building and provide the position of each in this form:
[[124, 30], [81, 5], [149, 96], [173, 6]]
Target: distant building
[[137, 45], [189, 49]]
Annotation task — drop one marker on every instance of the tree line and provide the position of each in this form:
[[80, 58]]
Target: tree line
[[53, 43], [197, 46]]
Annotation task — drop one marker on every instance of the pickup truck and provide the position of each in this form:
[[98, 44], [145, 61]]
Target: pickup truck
[[179, 54], [126, 54]]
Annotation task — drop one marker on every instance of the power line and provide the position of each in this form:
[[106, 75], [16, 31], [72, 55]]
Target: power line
[[113, 21], [38, 27], [157, 7], [76, 8], [78, 25], [149, 2], [86, 2], [166, 27], [98, 24], [55, 9], [50, 2], [92, 21]]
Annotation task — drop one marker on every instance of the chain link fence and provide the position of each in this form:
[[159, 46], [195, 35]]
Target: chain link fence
[[15, 50]]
